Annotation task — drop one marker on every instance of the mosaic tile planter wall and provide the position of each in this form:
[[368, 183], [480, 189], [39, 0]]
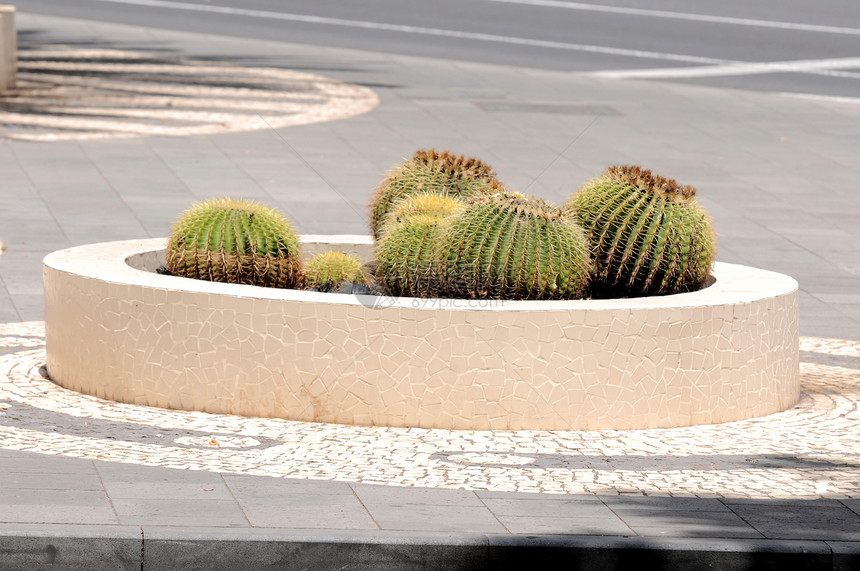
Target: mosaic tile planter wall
[[117, 330]]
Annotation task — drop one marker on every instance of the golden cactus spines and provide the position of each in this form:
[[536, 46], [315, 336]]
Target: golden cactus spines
[[329, 270], [422, 204]]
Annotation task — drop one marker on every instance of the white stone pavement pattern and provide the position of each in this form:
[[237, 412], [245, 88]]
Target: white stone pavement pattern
[[71, 94], [806, 452]]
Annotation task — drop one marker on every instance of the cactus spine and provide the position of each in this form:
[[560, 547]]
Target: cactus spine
[[648, 235], [235, 241], [510, 246], [429, 172]]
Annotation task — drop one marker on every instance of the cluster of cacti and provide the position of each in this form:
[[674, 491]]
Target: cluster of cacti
[[407, 252], [330, 270], [430, 172], [446, 227], [511, 246], [235, 241], [627, 233], [648, 235], [503, 245]]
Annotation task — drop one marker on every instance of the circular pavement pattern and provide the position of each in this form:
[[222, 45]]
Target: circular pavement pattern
[[65, 93], [808, 451]]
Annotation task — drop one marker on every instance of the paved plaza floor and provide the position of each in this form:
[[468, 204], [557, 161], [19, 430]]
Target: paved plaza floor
[[94, 480]]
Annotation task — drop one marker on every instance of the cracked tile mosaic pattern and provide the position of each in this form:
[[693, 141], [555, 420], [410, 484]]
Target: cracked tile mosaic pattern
[[808, 451], [70, 93], [725, 353]]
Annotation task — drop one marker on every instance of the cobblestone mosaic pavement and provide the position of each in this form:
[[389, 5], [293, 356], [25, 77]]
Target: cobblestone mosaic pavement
[[70, 93], [809, 451]]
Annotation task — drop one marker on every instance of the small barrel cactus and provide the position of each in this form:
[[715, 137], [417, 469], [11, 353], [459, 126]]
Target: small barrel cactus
[[330, 270], [409, 207], [235, 241], [429, 171], [648, 235], [407, 253], [510, 246]]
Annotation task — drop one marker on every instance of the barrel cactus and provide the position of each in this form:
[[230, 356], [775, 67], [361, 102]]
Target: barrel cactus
[[409, 207], [648, 234], [330, 270], [235, 241], [429, 171], [407, 253], [510, 246]]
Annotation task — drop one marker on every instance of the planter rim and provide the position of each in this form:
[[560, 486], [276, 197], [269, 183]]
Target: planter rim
[[114, 262]]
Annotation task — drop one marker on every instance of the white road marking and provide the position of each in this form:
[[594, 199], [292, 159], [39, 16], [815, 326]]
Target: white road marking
[[641, 54], [822, 98], [711, 66], [686, 16], [818, 67]]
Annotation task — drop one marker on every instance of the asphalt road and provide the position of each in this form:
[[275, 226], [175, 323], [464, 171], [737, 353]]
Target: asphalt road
[[769, 45]]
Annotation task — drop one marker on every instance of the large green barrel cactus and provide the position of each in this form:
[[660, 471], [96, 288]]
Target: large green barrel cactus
[[429, 171], [329, 270], [407, 252], [648, 235], [235, 241], [510, 246]]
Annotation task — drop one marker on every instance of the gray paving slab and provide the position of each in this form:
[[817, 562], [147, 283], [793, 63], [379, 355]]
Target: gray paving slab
[[484, 494], [165, 491], [325, 505], [7, 310], [428, 517], [391, 495], [835, 522], [692, 523], [550, 507], [128, 472], [853, 505], [255, 487], [172, 511], [57, 506], [324, 512], [55, 480], [15, 463], [698, 530], [665, 505]]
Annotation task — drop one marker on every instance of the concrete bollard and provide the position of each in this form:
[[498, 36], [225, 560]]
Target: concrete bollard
[[8, 47]]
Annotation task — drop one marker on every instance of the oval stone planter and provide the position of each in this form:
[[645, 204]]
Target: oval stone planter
[[118, 330]]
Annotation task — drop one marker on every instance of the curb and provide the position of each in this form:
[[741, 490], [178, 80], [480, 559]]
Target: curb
[[68, 547]]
